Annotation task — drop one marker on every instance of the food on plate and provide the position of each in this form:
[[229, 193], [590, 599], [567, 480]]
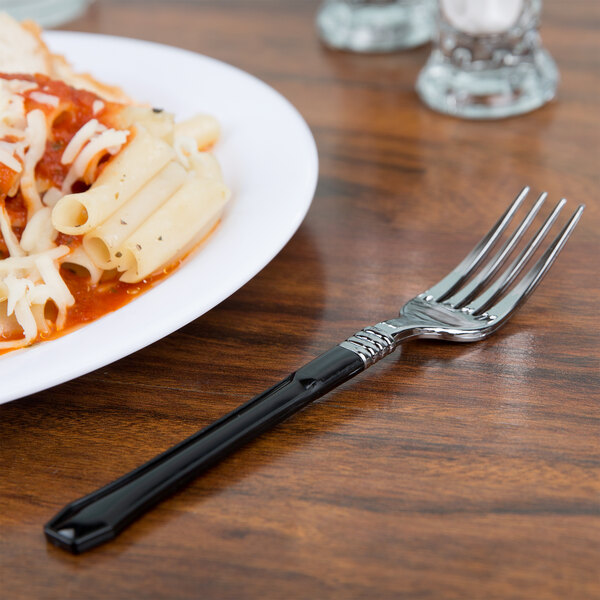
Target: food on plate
[[99, 196]]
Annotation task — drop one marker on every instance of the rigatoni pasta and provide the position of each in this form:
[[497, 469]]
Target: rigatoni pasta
[[97, 199], [106, 240], [182, 221]]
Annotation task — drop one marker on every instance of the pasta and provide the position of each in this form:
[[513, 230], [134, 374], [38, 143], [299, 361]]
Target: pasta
[[98, 199], [105, 241], [184, 219]]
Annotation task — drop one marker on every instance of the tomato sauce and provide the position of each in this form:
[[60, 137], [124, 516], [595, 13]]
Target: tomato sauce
[[93, 301]]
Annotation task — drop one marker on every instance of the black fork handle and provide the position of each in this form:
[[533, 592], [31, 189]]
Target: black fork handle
[[103, 514]]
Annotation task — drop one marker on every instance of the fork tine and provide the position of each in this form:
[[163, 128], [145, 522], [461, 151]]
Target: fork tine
[[464, 295], [451, 282], [525, 287], [489, 297]]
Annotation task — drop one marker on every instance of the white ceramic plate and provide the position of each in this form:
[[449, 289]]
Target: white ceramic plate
[[269, 160]]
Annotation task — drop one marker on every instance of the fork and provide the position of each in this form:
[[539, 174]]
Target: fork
[[468, 304]]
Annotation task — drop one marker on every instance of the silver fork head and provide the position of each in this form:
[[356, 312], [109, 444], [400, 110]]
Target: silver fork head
[[457, 310]]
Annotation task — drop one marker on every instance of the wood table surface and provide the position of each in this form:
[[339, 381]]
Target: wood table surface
[[445, 471]]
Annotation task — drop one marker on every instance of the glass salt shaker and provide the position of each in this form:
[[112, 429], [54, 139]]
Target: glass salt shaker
[[376, 25], [488, 61]]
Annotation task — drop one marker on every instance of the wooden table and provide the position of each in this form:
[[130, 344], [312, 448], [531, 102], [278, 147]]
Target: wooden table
[[446, 471]]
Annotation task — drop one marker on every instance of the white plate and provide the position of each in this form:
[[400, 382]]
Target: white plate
[[269, 160]]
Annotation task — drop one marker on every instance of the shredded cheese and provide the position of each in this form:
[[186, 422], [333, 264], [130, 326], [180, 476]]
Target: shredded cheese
[[43, 98], [37, 132], [80, 139], [10, 239], [27, 283], [9, 160], [97, 106], [25, 263], [109, 141], [39, 234]]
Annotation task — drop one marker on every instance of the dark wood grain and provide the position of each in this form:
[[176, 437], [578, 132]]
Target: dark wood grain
[[446, 471]]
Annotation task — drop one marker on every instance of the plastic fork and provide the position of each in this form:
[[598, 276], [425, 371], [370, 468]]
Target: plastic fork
[[468, 304]]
